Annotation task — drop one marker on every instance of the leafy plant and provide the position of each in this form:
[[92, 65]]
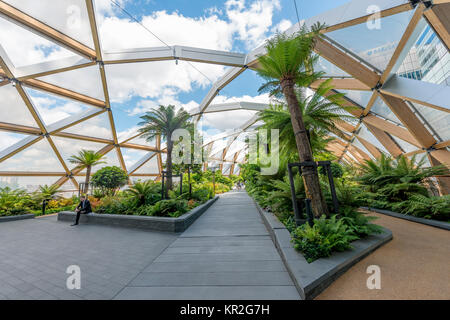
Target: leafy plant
[[425, 207], [87, 159], [145, 193], [170, 208], [109, 179], [325, 236]]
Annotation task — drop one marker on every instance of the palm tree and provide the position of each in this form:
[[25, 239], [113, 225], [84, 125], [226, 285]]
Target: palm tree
[[319, 116], [87, 159], [46, 192], [163, 122], [289, 62]]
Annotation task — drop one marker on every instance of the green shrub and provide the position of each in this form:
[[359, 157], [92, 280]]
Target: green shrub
[[144, 193], [358, 223], [437, 208], [336, 170], [325, 236], [169, 208], [15, 202], [109, 179]]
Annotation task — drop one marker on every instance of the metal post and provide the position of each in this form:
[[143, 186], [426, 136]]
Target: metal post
[[309, 213], [214, 182], [162, 186], [181, 183], [189, 180], [44, 204], [297, 214], [332, 188]]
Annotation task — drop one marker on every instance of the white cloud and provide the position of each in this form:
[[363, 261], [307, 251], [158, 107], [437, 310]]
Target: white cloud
[[282, 26]]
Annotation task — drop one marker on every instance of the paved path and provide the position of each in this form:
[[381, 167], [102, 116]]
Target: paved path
[[414, 265], [226, 254]]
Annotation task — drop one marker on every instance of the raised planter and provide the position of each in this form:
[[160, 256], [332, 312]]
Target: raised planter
[[142, 222], [18, 217], [312, 278], [434, 223]]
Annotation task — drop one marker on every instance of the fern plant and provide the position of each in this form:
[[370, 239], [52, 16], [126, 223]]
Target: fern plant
[[437, 208]]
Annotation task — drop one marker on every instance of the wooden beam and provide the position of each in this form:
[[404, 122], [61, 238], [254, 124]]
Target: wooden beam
[[362, 153], [48, 87], [345, 126], [391, 128], [21, 148], [139, 147], [409, 120], [370, 147], [443, 182], [403, 41], [390, 145], [45, 31], [94, 30], [346, 63], [439, 18], [370, 104], [81, 137], [442, 155], [343, 84], [19, 128], [384, 13]]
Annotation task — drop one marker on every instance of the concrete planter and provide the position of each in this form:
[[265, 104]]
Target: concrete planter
[[434, 223], [18, 217], [142, 222], [312, 278]]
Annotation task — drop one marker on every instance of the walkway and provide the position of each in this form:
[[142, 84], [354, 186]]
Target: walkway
[[226, 254], [414, 265]]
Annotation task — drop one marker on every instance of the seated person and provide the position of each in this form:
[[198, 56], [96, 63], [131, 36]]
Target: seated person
[[84, 207]]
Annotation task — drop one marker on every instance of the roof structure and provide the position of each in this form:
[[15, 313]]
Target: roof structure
[[397, 77]]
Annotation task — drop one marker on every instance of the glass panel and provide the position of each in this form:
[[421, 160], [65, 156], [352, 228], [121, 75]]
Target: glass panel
[[374, 42], [367, 135], [226, 168], [85, 80], [30, 184], [330, 69], [98, 126], [428, 59], [406, 146], [236, 169], [360, 97], [69, 189], [38, 157], [361, 146], [7, 139], [150, 166], [67, 16], [69, 147], [131, 156], [419, 157], [141, 179], [25, 48], [380, 108], [13, 108], [52, 108], [438, 120]]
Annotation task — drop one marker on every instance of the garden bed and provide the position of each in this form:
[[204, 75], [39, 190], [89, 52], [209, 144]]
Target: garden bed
[[16, 217], [312, 278], [434, 223], [142, 222]]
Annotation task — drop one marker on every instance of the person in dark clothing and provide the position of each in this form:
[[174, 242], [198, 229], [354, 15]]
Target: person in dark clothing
[[83, 208]]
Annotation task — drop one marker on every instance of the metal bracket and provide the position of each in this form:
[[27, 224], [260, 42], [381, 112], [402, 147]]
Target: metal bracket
[[377, 86]]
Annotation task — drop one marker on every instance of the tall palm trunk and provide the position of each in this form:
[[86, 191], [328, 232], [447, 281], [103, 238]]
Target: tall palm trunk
[[310, 176], [86, 181], [169, 165]]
